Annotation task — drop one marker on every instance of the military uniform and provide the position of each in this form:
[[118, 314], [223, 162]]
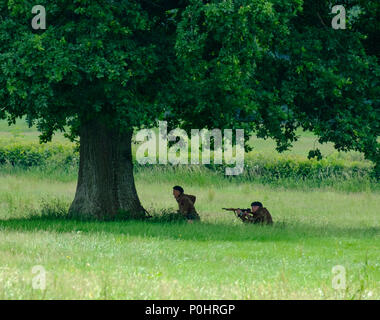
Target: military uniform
[[261, 216], [186, 206]]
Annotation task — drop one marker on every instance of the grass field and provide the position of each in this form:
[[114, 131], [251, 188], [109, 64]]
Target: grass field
[[219, 258]]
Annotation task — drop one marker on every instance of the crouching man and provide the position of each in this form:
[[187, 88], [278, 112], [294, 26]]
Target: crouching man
[[185, 204], [257, 214]]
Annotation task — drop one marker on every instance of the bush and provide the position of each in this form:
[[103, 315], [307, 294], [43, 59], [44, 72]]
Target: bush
[[65, 156], [26, 155], [284, 167], [281, 167]]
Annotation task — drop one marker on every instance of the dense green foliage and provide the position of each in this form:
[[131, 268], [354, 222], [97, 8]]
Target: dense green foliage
[[26, 155], [266, 66], [291, 70]]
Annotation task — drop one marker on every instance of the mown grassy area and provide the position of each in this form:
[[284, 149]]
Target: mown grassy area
[[316, 228]]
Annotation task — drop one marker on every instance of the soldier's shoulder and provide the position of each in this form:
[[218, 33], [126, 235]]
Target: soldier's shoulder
[[267, 215], [264, 211], [189, 197]]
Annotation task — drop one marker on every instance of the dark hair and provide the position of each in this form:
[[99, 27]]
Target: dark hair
[[256, 203], [180, 189]]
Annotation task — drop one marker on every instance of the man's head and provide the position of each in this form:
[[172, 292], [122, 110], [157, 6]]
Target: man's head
[[177, 191], [255, 206]]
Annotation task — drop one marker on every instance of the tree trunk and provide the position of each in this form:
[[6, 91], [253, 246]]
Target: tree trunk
[[106, 184]]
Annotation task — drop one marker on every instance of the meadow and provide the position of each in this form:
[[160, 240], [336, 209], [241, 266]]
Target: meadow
[[316, 228]]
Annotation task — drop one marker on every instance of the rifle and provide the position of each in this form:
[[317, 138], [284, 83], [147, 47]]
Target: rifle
[[236, 209]]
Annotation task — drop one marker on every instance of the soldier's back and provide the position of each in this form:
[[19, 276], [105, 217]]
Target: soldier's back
[[261, 216], [266, 216], [186, 206]]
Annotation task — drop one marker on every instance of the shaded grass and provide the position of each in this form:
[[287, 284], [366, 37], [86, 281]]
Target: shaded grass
[[200, 231]]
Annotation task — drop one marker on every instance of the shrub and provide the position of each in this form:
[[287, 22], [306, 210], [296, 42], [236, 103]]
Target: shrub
[[257, 166], [26, 155]]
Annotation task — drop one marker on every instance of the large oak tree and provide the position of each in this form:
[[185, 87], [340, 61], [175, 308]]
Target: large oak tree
[[105, 68]]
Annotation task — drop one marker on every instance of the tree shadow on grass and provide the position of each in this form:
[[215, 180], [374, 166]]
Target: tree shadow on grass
[[198, 231]]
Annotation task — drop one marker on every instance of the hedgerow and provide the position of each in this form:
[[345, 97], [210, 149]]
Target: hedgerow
[[257, 165]]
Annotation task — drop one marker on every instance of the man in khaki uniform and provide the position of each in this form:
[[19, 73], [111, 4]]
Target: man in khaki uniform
[[257, 214], [185, 204]]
